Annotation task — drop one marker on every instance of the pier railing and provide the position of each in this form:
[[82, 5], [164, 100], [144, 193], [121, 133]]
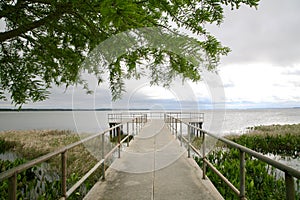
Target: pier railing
[[176, 126], [121, 117], [187, 116], [131, 127]]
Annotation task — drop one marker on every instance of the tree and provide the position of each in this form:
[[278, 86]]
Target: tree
[[45, 41]]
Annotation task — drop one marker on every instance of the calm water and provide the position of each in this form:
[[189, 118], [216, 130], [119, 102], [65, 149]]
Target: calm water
[[235, 121]]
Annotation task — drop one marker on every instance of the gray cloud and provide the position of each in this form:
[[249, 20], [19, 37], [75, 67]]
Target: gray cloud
[[293, 72], [269, 34]]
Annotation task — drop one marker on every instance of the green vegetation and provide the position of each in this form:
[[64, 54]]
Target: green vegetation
[[42, 181], [262, 180], [37, 183], [281, 140], [260, 184], [5, 145]]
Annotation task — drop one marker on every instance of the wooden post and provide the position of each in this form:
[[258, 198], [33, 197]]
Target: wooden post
[[290, 188], [12, 187], [242, 175], [64, 174]]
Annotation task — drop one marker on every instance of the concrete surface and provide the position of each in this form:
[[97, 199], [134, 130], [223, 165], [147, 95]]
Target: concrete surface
[[154, 166]]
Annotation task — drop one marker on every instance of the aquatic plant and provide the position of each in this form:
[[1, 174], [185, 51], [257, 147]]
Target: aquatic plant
[[262, 180], [261, 183]]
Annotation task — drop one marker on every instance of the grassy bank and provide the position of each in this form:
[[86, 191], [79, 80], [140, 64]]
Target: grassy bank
[[262, 181], [35, 143]]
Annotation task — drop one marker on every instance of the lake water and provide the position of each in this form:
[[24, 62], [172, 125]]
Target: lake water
[[235, 121]]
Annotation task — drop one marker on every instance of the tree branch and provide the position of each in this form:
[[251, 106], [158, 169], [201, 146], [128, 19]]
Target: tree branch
[[28, 27]]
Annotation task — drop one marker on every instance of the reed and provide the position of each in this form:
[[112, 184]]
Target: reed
[[281, 140]]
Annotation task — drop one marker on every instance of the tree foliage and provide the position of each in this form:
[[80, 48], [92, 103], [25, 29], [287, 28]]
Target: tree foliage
[[45, 41]]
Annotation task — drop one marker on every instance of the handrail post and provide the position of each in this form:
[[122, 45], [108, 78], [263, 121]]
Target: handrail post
[[138, 123], [180, 133], [127, 125], [64, 174], [172, 125], [136, 126], [141, 122], [12, 187], [203, 156], [119, 140], [103, 157], [176, 121], [171, 118], [189, 143], [132, 127], [242, 175], [289, 185]]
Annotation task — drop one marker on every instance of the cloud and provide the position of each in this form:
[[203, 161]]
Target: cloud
[[260, 83], [268, 34], [293, 71]]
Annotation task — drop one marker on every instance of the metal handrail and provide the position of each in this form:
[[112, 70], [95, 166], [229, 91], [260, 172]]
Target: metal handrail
[[11, 174], [289, 171], [118, 117], [187, 115]]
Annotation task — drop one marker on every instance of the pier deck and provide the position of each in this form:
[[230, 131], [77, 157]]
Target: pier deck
[[154, 166]]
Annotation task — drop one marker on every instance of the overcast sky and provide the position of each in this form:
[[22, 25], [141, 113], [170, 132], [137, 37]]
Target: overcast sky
[[262, 70]]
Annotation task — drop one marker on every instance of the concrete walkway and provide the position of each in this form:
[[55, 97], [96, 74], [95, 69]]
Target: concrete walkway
[[154, 166]]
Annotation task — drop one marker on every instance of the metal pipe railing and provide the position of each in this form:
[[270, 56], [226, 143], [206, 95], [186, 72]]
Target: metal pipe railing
[[11, 174], [289, 171]]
